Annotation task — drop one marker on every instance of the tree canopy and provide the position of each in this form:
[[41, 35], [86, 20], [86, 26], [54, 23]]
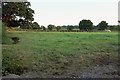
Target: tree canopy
[[50, 27], [36, 25], [58, 28], [85, 25], [43, 28], [70, 27], [102, 25], [17, 12]]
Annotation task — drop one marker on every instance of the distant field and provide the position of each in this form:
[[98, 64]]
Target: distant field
[[58, 53]]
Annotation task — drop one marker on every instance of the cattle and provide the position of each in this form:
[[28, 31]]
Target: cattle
[[107, 30]]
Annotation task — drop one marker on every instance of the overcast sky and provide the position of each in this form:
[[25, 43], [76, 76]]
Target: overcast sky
[[70, 12]]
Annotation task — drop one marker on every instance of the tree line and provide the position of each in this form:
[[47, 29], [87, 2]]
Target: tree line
[[84, 25], [21, 15]]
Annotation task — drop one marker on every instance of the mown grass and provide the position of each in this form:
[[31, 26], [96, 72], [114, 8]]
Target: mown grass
[[58, 53]]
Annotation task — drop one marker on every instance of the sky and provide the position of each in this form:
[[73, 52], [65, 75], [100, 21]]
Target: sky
[[71, 12]]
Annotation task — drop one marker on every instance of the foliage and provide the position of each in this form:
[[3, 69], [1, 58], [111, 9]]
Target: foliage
[[85, 25], [36, 25], [50, 27], [114, 27], [102, 25], [13, 11], [26, 25], [43, 28], [70, 27], [76, 26], [14, 66], [58, 28]]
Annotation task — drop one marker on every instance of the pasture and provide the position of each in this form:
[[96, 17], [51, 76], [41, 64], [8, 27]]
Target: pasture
[[51, 54]]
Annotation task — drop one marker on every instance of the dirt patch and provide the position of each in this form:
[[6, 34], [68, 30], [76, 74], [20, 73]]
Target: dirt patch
[[104, 71]]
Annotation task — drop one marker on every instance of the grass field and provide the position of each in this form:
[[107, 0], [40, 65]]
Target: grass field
[[0, 49], [58, 53]]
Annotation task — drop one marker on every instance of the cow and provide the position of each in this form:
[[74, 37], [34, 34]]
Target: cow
[[107, 30]]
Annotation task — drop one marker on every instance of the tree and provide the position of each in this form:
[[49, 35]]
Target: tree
[[14, 11], [118, 21], [36, 25], [70, 27], [76, 27], [50, 27], [85, 25], [58, 28], [26, 25], [43, 28], [102, 25]]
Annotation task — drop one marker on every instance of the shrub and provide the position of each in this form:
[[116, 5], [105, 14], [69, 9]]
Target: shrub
[[11, 65]]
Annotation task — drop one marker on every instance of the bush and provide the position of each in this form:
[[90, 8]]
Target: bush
[[114, 28], [12, 65]]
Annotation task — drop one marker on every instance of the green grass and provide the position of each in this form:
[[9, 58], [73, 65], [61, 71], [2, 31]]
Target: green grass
[[0, 47], [58, 53], [0, 31], [5, 38]]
